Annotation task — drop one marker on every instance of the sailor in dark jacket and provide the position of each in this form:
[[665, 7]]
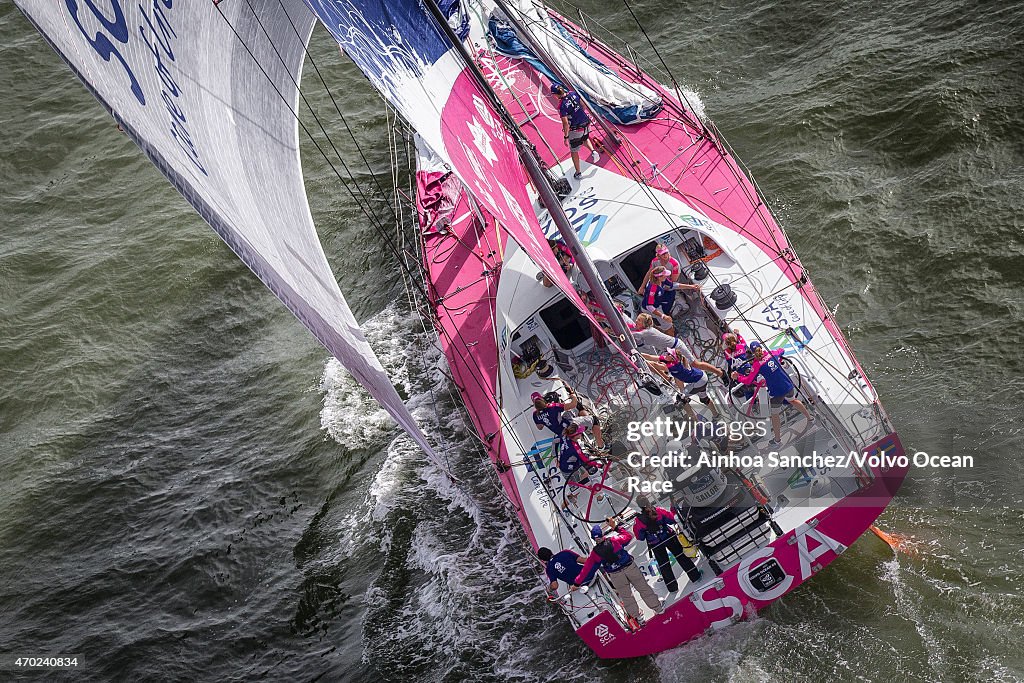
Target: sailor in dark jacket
[[654, 525]]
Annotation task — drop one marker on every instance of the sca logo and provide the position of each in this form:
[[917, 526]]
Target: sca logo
[[603, 634]]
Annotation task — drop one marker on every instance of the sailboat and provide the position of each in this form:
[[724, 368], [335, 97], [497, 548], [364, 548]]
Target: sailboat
[[210, 93]]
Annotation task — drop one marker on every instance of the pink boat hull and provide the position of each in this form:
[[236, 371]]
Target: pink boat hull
[[463, 261]]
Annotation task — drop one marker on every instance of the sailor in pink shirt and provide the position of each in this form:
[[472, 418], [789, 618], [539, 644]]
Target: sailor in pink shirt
[[666, 260], [781, 390], [657, 526], [734, 345]]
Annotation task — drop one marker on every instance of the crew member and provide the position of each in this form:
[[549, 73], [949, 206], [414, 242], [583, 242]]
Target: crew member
[[689, 379], [734, 346], [660, 296], [646, 336], [564, 258], [575, 126], [564, 566], [781, 389], [571, 456], [662, 258], [649, 337], [611, 555], [551, 414], [654, 525]]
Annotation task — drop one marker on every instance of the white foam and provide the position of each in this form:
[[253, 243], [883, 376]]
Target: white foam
[[385, 485], [908, 604], [349, 415], [470, 583], [694, 101]]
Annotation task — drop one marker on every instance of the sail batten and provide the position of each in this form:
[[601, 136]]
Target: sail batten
[[210, 94]]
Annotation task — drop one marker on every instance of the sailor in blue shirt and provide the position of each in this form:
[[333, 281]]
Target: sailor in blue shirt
[[564, 566], [781, 390], [552, 413], [688, 377], [575, 125], [556, 416], [549, 414]]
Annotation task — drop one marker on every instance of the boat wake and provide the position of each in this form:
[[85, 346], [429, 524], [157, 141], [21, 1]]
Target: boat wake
[[456, 594]]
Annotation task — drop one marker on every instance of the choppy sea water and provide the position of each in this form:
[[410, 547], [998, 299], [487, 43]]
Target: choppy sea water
[[191, 489]]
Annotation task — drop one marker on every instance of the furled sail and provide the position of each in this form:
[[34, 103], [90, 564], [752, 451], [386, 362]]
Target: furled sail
[[612, 96], [408, 58], [209, 92]]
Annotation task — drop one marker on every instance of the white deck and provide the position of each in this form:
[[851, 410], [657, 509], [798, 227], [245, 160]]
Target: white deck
[[616, 217]]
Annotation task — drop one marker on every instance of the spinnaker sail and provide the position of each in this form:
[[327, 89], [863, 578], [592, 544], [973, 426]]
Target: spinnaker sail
[[413, 64], [210, 94]]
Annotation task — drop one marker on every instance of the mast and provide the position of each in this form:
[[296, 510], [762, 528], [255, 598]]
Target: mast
[[548, 198], [523, 32]]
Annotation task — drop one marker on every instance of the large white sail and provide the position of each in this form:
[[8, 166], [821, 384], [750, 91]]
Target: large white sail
[[209, 92]]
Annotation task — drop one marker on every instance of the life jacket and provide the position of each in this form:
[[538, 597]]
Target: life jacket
[[666, 295], [570, 456], [553, 417], [660, 296], [612, 561]]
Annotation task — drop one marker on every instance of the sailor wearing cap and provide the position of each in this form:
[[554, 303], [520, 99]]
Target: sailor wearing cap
[[663, 258], [660, 296]]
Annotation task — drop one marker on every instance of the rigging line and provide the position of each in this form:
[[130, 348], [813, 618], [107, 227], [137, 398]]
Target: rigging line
[[675, 84], [442, 251], [298, 90], [410, 293], [337, 108], [467, 350], [374, 220], [660, 207], [688, 115], [393, 165], [589, 18], [630, 145]]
